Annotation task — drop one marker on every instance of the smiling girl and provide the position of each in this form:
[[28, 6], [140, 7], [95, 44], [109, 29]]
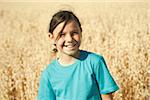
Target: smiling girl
[[76, 74]]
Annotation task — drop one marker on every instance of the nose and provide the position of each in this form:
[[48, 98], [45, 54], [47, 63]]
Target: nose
[[68, 37]]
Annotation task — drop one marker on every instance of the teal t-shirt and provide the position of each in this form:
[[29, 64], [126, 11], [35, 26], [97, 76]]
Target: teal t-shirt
[[86, 79]]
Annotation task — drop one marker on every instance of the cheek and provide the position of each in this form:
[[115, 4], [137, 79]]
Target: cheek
[[77, 38], [60, 42]]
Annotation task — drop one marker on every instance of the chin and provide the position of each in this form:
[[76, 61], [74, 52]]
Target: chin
[[71, 53]]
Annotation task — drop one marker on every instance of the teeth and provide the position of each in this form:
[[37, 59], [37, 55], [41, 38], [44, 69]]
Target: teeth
[[70, 45]]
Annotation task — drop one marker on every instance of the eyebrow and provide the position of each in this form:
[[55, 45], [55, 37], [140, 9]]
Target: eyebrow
[[74, 30]]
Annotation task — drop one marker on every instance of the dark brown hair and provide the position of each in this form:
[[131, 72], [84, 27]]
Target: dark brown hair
[[62, 16]]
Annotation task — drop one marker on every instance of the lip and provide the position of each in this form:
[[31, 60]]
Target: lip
[[71, 46]]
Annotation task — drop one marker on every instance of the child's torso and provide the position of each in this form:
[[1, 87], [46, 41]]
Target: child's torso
[[76, 82]]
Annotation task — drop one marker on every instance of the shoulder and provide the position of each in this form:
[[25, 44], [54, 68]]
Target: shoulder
[[94, 61], [49, 69], [94, 56], [51, 64]]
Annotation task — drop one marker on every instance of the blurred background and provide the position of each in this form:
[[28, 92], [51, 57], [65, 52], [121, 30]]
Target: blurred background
[[117, 29]]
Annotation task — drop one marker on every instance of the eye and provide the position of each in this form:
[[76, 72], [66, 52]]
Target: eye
[[62, 34], [75, 33]]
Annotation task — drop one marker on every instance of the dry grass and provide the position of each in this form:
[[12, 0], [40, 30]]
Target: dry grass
[[119, 31]]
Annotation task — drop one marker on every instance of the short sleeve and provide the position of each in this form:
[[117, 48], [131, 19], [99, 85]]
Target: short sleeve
[[104, 79], [45, 91]]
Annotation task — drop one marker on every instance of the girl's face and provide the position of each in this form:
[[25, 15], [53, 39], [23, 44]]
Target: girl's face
[[69, 39]]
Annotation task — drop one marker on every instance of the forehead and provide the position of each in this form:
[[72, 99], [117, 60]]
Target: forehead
[[70, 26]]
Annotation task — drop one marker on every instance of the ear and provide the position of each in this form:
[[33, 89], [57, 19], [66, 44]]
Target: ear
[[50, 35], [51, 38]]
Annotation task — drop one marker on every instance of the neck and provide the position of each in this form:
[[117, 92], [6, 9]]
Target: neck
[[68, 60]]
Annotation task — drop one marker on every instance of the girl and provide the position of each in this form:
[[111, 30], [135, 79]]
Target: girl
[[76, 74]]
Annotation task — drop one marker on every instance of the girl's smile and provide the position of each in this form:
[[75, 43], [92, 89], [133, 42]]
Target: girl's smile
[[71, 46]]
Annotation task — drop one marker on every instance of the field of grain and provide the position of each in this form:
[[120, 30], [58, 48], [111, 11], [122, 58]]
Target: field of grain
[[120, 31]]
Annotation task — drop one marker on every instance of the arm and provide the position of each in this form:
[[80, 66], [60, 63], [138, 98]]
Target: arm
[[45, 91], [106, 83], [107, 96]]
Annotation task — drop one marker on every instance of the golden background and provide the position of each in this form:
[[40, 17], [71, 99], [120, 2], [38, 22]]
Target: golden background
[[117, 30]]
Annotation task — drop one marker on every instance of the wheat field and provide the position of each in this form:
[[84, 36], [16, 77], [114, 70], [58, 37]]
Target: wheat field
[[120, 31]]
